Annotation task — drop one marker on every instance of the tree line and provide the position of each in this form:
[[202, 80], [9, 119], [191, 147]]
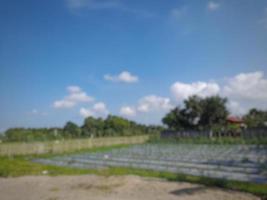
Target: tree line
[[92, 127]]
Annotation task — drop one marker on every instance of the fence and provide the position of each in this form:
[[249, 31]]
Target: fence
[[245, 133], [61, 146]]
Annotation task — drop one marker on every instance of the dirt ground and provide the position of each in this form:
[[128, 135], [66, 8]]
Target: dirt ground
[[91, 187]]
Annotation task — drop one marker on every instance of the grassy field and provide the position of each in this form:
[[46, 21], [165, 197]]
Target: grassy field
[[61, 146], [13, 166]]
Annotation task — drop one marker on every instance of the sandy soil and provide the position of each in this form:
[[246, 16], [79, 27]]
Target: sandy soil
[[93, 187]]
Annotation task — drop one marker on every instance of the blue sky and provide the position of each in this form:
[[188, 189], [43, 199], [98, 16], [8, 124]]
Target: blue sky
[[67, 59]]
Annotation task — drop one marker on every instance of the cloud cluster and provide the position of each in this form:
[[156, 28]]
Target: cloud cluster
[[154, 103], [243, 91], [75, 95], [124, 77], [182, 91], [247, 86], [98, 110], [150, 103], [127, 111]]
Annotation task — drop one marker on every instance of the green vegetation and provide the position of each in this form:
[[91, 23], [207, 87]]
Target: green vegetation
[[92, 127], [210, 113], [198, 113], [256, 118]]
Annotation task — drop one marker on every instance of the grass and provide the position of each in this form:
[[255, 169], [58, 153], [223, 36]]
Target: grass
[[21, 165]]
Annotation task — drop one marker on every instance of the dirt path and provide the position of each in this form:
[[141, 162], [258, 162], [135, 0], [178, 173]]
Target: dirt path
[[93, 187]]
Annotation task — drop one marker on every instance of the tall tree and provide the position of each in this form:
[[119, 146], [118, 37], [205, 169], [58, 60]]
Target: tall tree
[[214, 111], [197, 113], [176, 119]]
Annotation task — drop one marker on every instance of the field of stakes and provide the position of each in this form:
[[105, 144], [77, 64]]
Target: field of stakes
[[231, 162]]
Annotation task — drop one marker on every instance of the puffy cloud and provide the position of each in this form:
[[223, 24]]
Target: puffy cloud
[[235, 107], [100, 107], [212, 6], [125, 77], [244, 91], [154, 103], [86, 112], [182, 91], [76, 95], [247, 86], [74, 89], [128, 111], [148, 104], [98, 110]]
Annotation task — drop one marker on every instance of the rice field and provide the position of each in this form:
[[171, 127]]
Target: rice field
[[231, 162]]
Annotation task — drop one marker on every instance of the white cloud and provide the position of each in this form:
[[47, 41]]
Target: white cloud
[[76, 95], [235, 108], [182, 91], [74, 89], [212, 6], [148, 104], [154, 103], [244, 91], [98, 110], [101, 108], [125, 77], [128, 111], [86, 112], [247, 86]]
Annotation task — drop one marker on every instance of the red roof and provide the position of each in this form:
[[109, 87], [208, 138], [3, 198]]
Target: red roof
[[233, 119]]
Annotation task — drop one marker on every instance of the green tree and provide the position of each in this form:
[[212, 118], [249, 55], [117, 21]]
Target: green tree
[[197, 113], [93, 127], [71, 130], [214, 111], [176, 119], [256, 118]]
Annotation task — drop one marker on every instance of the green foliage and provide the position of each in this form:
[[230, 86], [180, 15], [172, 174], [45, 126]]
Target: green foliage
[[214, 111], [92, 127], [71, 130], [256, 118], [198, 113], [115, 126], [31, 134]]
